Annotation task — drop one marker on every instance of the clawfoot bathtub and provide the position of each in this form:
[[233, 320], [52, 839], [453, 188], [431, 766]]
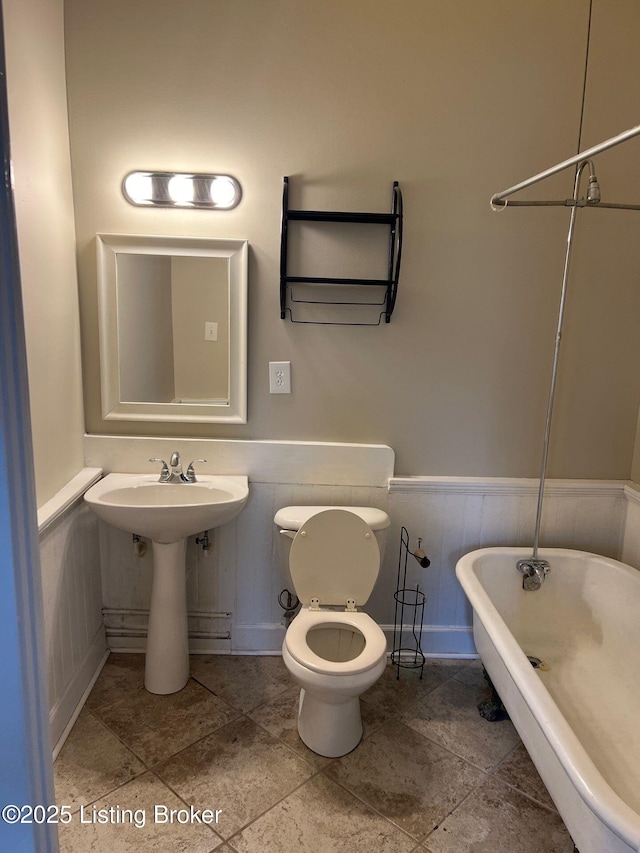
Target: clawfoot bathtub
[[578, 713]]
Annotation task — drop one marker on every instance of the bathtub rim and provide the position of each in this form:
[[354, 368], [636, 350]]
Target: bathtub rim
[[593, 789]]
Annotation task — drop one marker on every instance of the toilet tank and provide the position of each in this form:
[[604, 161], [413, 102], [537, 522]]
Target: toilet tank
[[290, 519]]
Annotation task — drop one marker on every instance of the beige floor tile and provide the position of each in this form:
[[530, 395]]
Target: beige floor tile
[[121, 675], [91, 763], [520, 771], [449, 716], [390, 695], [373, 718], [155, 726], [497, 818], [280, 718], [241, 680], [140, 796], [240, 769], [407, 778], [245, 769], [472, 673], [320, 817]]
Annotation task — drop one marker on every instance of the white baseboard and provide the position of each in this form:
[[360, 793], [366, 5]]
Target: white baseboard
[[66, 710], [438, 641]]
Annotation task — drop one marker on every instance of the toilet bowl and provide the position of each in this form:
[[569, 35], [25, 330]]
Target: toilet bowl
[[333, 650]]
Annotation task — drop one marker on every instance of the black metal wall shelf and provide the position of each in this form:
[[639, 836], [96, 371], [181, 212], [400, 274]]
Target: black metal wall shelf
[[392, 220]]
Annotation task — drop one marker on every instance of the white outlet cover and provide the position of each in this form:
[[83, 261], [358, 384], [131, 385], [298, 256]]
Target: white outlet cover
[[279, 377]]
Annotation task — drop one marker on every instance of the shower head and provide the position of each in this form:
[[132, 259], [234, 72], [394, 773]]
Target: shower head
[[593, 188]]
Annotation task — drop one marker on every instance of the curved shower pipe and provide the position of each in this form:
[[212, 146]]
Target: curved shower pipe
[[556, 356], [534, 570]]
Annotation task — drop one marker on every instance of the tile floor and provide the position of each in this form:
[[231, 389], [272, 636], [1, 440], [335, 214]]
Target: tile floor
[[430, 775]]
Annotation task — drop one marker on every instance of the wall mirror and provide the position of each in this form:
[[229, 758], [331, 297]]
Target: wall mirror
[[173, 328]]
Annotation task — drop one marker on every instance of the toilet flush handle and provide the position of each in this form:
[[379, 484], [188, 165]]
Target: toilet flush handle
[[289, 533]]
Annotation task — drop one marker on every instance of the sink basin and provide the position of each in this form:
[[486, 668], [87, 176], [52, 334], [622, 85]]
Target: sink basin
[[167, 512]]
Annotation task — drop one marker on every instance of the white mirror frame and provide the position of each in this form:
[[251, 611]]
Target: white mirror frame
[[109, 246]]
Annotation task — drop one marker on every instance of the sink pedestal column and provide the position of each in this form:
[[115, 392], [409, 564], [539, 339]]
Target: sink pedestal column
[[167, 660]]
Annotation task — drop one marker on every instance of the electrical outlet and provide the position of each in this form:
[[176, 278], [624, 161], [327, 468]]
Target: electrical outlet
[[279, 377], [211, 331]]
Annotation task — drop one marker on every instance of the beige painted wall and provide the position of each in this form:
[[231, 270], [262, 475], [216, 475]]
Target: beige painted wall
[[635, 465], [46, 238], [456, 101]]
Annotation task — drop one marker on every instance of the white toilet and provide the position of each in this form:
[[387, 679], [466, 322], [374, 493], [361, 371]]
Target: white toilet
[[333, 650]]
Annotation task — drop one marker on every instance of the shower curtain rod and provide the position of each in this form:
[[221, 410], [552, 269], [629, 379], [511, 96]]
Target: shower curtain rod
[[583, 155], [567, 202]]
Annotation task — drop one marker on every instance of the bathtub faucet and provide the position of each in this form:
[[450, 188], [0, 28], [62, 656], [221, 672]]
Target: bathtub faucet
[[534, 572]]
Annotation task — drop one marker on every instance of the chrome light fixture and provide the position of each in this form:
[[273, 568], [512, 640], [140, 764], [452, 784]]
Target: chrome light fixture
[[182, 189]]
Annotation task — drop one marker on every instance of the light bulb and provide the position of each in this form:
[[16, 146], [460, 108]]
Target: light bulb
[[139, 187], [223, 192], [180, 188]]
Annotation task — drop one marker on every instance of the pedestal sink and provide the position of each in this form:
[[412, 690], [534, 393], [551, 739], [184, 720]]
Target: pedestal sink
[[167, 513]]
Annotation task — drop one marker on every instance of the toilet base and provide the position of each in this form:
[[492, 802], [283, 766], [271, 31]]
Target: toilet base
[[330, 729]]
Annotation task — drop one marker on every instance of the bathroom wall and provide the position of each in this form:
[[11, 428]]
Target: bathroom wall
[[603, 295], [233, 589], [38, 122], [456, 101]]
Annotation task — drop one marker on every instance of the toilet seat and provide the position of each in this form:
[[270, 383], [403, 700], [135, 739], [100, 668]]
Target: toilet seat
[[375, 647]]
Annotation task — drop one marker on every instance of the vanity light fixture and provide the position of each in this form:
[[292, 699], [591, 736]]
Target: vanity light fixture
[[182, 189]]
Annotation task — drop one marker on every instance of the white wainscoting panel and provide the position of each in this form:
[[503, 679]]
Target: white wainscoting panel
[[233, 591], [631, 540], [455, 515], [72, 595]]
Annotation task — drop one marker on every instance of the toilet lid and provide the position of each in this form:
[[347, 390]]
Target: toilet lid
[[334, 556]]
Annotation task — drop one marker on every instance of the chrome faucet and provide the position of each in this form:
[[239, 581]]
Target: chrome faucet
[[534, 573], [176, 468], [176, 474]]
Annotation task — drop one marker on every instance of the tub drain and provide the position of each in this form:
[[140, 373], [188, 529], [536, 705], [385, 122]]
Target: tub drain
[[536, 663]]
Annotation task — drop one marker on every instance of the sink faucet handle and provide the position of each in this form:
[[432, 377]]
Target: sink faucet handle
[[191, 474], [165, 474]]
